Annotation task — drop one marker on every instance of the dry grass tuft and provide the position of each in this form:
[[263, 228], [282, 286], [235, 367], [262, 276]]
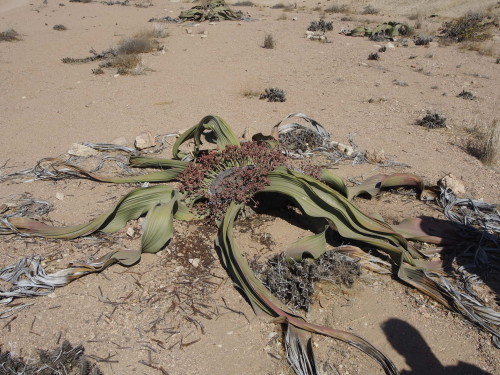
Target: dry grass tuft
[[338, 8], [282, 17], [142, 42], [269, 42], [250, 93], [9, 35], [484, 142], [370, 10]]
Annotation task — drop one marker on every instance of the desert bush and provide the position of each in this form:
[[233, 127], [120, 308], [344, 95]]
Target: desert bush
[[123, 63], [9, 35], [273, 94], [338, 8], [370, 10], [59, 27], [278, 6], [269, 42], [80, 1], [423, 40], [320, 25], [382, 49], [471, 27], [374, 56], [432, 121], [116, 2], [484, 143], [144, 4]]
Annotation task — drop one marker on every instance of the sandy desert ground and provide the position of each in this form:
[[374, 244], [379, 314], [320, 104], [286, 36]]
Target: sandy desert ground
[[127, 318]]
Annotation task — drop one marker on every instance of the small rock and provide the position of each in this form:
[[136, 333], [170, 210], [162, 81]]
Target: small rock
[[204, 36], [375, 156], [144, 140], [212, 23], [120, 141], [451, 182], [59, 196], [348, 150], [77, 149], [195, 262], [130, 232], [188, 31], [390, 45], [295, 18]]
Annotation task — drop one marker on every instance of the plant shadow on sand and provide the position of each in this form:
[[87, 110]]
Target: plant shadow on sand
[[408, 342]]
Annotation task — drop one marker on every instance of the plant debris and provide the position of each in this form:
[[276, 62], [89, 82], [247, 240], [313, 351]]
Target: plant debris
[[471, 27], [273, 94], [293, 282], [65, 360], [320, 25], [467, 95], [432, 121], [9, 35], [212, 10]]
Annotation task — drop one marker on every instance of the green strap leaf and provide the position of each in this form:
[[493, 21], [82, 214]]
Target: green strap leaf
[[313, 246], [223, 134], [130, 207], [159, 225]]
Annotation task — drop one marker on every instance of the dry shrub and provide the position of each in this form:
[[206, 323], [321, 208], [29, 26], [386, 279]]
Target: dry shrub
[[269, 42], [471, 27], [273, 94], [80, 1], [338, 8], [59, 27], [370, 10], [9, 35], [484, 142], [418, 17], [124, 64], [278, 6], [486, 48], [244, 3], [140, 43]]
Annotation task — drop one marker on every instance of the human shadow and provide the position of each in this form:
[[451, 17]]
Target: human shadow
[[408, 342]]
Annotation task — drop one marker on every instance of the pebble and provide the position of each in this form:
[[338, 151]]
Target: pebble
[[59, 196], [195, 262]]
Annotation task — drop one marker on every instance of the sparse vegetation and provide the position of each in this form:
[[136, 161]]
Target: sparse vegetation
[[382, 49], [338, 8], [320, 25], [273, 95], [80, 1], [116, 2], [9, 35], [278, 6], [423, 40], [269, 42], [374, 56], [250, 93], [400, 83], [370, 10], [144, 4], [471, 27], [125, 57], [467, 95], [244, 3], [432, 121], [484, 143], [59, 27]]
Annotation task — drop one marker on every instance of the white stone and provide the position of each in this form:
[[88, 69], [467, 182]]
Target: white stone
[[130, 232], [390, 45], [77, 149], [451, 182], [144, 140], [59, 196]]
